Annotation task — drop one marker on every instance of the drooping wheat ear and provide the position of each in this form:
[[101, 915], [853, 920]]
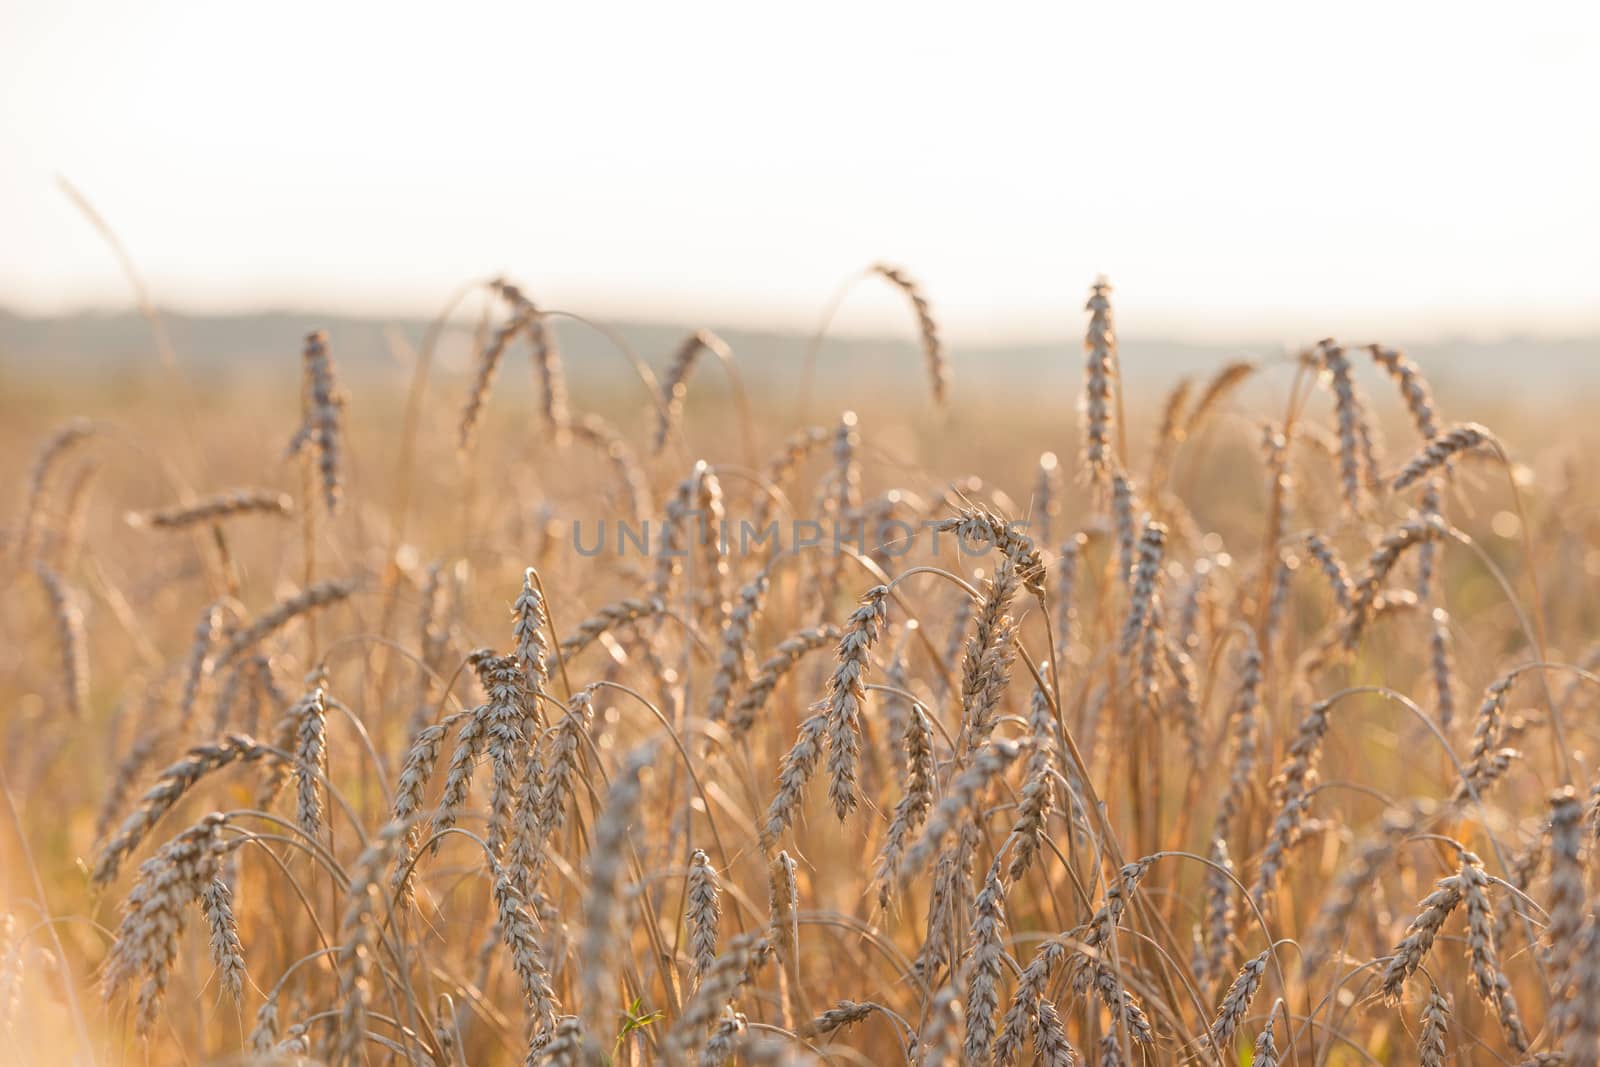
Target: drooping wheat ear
[[933, 354], [227, 954], [284, 729], [959, 799], [56, 448], [160, 798], [264, 1035], [950, 903], [506, 722], [960, 618], [1066, 607], [1292, 789], [847, 693], [525, 858], [913, 806], [1428, 554], [729, 973], [895, 700], [1102, 925], [1146, 575], [1431, 1050], [780, 468], [724, 1039], [412, 784], [1266, 1049], [795, 770], [599, 434], [282, 613], [1443, 667], [602, 899], [1099, 379], [673, 544], [295, 1044], [1050, 1038], [609, 618], [147, 939], [458, 776], [1046, 499], [773, 670], [939, 1042], [1224, 382], [1442, 448], [1037, 796], [1185, 692], [433, 628], [564, 769], [1126, 1012], [447, 1030], [1285, 564], [1280, 483], [1124, 512], [1413, 387], [842, 1015], [568, 1048], [67, 541], [547, 362], [733, 662], [983, 969], [210, 509], [518, 932], [238, 703], [310, 759], [1491, 982], [1031, 986], [197, 668], [986, 666], [1568, 897], [1245, 729], [1170, 433], [704, 912], [1358, 465], [1354, 884], [1521, 869], [675, 383], [71, 639], [528, 629], [1236, 1002], [1219, 915], [979, 526], [359, 930], [322, 406], [1382, 561], [845, 501], [146, 743], [1333, 568], [483, 381], [1487, 734], [1407, 956], [1581, 1006], [783, 931]]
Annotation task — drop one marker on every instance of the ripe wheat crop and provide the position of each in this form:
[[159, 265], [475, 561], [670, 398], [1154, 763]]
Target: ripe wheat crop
[[1205, 729]]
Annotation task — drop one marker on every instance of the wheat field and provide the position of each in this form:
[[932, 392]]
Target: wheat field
[[683, 724]]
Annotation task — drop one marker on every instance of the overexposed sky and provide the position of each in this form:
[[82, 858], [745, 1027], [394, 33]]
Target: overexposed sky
[[1234, 167]]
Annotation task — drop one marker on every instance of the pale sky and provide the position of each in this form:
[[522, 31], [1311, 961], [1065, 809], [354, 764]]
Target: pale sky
[[1233, 167]]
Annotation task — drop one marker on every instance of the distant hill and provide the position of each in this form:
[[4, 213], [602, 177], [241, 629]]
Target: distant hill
[[240, 344]]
